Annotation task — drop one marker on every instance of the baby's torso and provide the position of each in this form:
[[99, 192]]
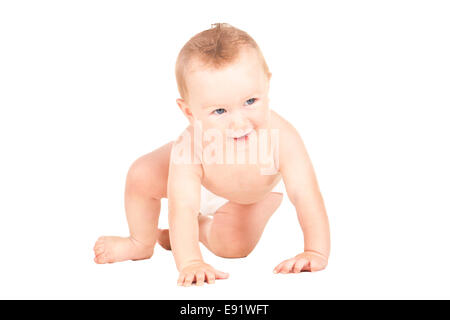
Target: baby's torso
[[239, 183]]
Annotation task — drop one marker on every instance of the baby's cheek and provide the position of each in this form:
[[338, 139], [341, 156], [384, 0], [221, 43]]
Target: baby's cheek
[[207, 125], [262, 120], [212, 127]]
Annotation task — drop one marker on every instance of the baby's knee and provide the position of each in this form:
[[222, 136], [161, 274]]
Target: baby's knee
[[230, 251]]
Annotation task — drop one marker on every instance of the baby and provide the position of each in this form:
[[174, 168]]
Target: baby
[[220, 176]]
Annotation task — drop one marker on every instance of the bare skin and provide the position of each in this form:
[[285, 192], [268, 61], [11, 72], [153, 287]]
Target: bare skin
[[234, 102], [243, 223]]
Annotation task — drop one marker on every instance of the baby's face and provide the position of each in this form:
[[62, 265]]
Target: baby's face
[[233, 100]]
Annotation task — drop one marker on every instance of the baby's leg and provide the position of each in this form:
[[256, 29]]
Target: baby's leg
[[236, 229], [145, 186]]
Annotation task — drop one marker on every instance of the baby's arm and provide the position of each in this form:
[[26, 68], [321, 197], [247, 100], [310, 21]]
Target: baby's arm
[[303, 191], [183, 193]]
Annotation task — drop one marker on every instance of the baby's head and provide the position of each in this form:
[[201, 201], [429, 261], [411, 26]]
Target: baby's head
[[223, 80]]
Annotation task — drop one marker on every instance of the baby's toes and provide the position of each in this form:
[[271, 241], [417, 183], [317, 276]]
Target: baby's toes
[[100, 241], [101, 258], [99, 250]]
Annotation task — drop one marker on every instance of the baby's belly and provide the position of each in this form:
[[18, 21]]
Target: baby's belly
[[243, 187]]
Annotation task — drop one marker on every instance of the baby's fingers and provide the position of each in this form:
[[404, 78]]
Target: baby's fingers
[[220, 274], [287, 266], [300, 264], [188, 279], [200, 278], [278, 268], [210, 277], [181, 279], [281, 266]]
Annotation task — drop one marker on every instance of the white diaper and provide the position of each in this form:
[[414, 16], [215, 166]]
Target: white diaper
[[210, 202], [279, 187]]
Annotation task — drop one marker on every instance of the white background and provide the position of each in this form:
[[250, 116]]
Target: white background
[[86, 87]]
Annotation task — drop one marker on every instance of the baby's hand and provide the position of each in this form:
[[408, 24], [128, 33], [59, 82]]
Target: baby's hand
[[306, 261], [198, 272]]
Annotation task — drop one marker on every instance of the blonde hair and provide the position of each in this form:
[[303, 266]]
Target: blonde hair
[[215, 48]]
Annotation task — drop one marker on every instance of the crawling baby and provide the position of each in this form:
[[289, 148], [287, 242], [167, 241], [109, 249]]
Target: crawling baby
[[222, 175]]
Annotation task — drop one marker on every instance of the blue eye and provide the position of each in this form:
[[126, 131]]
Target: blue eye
[[219, 111], [252, 99]]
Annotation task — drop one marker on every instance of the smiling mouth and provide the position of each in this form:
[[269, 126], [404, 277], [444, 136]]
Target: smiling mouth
[[244, 137]]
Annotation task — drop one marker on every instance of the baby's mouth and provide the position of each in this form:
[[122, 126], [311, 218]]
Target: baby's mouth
[[243, 137]]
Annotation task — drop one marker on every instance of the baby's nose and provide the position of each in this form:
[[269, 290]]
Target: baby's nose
[[239, 123]]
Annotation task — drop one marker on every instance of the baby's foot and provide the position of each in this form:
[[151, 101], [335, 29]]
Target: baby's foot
[[115, 249], [163, 238]]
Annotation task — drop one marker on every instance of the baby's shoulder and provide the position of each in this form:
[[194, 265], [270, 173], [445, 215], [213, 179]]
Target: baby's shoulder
[[288, 136], [187, 146], [279, 123]]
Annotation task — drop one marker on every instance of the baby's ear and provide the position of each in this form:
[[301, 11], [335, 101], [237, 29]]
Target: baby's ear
[[185, 109], [180, 103]]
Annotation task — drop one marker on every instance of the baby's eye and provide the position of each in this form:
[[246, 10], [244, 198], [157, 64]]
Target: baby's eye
[[252, 101], [219, 111]]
